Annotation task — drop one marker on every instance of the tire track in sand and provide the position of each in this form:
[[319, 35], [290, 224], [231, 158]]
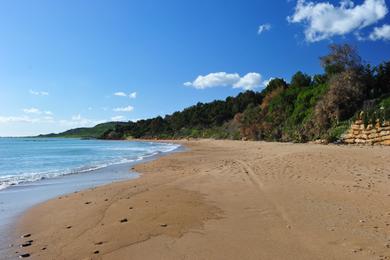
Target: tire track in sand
[[260, 186]]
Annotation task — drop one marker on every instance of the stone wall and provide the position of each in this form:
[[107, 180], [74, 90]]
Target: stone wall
[[370, 134]]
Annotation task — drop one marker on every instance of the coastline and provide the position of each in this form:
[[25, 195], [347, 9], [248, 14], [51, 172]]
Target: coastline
[[17, 199], [226, 200]]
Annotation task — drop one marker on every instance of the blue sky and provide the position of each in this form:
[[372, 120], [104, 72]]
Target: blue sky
[[62, 62]]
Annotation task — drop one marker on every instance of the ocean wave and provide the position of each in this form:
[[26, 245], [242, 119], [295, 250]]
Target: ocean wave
[[11, 180], [3, 186]]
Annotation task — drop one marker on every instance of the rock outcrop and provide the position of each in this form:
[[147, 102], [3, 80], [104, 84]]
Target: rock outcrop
[[359, 133]]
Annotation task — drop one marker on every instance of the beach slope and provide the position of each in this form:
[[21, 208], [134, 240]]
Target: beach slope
[[226, 200]]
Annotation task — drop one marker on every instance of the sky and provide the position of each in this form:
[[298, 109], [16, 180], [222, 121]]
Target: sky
[[67, 63]]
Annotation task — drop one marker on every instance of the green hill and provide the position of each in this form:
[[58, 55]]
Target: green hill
[[86, 132]]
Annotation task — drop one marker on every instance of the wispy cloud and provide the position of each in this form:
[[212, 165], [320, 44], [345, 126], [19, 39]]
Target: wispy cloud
[[38, 93], [124, 109], [118, 118], [31, 110], [123, 94], [263, 28], [16, 119], [120, 94], [79, 121], [48, 113], [26, 119], [45, 118], [324, 20], [36, 111], [223, 79]]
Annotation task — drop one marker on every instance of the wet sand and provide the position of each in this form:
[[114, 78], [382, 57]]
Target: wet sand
[[226, 200]]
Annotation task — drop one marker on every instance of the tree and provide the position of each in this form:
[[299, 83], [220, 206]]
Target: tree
[[383, 77], [341, 58], [300, 79], [274, 84], [319, 79], [249, 120], [344, 97]]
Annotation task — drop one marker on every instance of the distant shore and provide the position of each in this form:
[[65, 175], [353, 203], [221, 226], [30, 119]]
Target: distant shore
[[226, 200]]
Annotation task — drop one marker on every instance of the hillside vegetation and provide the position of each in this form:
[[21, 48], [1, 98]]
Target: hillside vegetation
[[86, 132], [308, 108]]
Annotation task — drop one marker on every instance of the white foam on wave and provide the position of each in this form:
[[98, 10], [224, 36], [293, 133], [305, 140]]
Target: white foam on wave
[[159, 148], [3, 186]]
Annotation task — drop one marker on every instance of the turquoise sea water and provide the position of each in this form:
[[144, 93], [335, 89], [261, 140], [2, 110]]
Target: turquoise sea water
[[24, 160], [33, 170]]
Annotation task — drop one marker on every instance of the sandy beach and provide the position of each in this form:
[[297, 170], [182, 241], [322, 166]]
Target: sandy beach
[[226, 200]]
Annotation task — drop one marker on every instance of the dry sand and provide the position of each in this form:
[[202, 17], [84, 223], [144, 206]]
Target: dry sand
[[227, 200]]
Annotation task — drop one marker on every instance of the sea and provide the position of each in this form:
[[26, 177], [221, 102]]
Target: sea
[[33, 170], [25, 160]]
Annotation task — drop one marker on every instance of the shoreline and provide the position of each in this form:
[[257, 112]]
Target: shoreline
[[226, 200], [18, 199]]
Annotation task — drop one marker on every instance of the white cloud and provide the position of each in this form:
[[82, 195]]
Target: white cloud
[[79, 121], [32, 110], [123, 94], [124, 109], [380, 33], [249, 81], [263, 28], [120, 94], [223, 79], [25, 119], [325, 20], [214, 80], [16, 119], [76, 117], [38, 93], [36, 111], [33, 124], [118, 118]]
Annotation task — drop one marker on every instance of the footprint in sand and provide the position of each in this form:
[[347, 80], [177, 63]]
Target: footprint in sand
[[26, 244]]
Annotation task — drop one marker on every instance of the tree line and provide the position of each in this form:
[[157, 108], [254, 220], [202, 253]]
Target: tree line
[[307, 108]]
